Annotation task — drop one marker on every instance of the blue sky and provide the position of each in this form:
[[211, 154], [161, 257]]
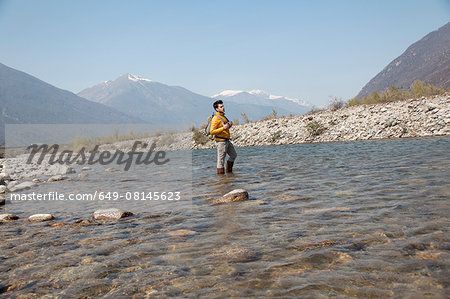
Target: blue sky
[[312, 50]]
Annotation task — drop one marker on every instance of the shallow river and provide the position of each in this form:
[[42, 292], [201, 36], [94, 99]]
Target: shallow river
[[366, 219]]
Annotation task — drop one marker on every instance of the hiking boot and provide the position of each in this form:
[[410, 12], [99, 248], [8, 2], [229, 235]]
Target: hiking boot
[[230, 166]]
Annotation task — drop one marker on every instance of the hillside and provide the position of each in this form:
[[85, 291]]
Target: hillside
[[25, 99], [427, 60]]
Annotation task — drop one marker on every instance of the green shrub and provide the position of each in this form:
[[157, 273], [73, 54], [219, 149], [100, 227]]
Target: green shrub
[[420, 89], [314, 110], [353, 102], [167, 138], [336, 104], [416, 90], [90, 142], [245, 117], [273, 115], [275, 136], [315, 128], [199, 137]]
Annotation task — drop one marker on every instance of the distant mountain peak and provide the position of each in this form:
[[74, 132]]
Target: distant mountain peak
[[136, 78], [260, 94], [227, 93]]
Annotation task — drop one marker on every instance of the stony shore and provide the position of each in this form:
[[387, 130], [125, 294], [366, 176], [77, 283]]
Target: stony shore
[[423, 117]]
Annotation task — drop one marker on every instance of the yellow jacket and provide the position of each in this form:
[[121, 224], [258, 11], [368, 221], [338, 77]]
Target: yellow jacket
[[220, 134]]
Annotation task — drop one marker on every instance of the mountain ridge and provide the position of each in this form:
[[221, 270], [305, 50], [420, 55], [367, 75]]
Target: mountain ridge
[[26, 99], [154, 101], [427, 60]]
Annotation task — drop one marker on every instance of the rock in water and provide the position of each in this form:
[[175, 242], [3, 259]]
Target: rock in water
[[182, 233], [235, 195], [111, 214], [56, 169], [236, 254], [40, 217], [2, 189], [7, 217], [22, 186], [56, 178]]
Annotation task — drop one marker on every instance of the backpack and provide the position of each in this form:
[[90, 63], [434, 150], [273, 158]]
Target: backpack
[[208, 126]]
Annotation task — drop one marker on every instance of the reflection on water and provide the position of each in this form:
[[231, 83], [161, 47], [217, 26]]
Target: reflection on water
[[367, 219]]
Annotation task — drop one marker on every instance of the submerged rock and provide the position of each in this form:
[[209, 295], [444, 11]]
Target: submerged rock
[[233, 196], [236, 254], [56, 169], [83, 222], [56, 178], [58, 224], [40, 217], [8, 217], [111, 214], [38, 181], [182, 232], [2, 201], [22, 186]]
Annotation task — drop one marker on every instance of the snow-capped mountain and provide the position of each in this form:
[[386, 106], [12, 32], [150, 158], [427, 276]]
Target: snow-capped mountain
[[155, 102], [283, 105], [159, 103]]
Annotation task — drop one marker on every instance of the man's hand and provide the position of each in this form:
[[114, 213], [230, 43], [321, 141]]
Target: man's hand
[[227, 126]]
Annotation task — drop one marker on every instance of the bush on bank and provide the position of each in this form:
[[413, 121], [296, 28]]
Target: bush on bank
[[416, 90]]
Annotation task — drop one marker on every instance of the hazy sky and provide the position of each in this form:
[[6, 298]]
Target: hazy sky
[[310, 50]]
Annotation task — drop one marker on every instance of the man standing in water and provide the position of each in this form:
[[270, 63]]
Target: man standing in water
[[220, 128]]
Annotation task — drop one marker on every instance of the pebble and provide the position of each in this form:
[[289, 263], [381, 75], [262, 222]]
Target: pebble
[[83, 222], [40, 217], [58, 177], [111, 214], [5, 176], [38, 181], [8, 217], [110, 169], [2, 189], [58, 224]]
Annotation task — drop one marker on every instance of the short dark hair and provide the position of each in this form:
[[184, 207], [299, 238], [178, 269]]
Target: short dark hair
[[216, 104]]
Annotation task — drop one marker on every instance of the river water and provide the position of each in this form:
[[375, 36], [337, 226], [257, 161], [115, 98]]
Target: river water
[[366, 219]]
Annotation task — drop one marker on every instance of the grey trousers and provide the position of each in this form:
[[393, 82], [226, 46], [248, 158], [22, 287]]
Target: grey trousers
[[224, 148]]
